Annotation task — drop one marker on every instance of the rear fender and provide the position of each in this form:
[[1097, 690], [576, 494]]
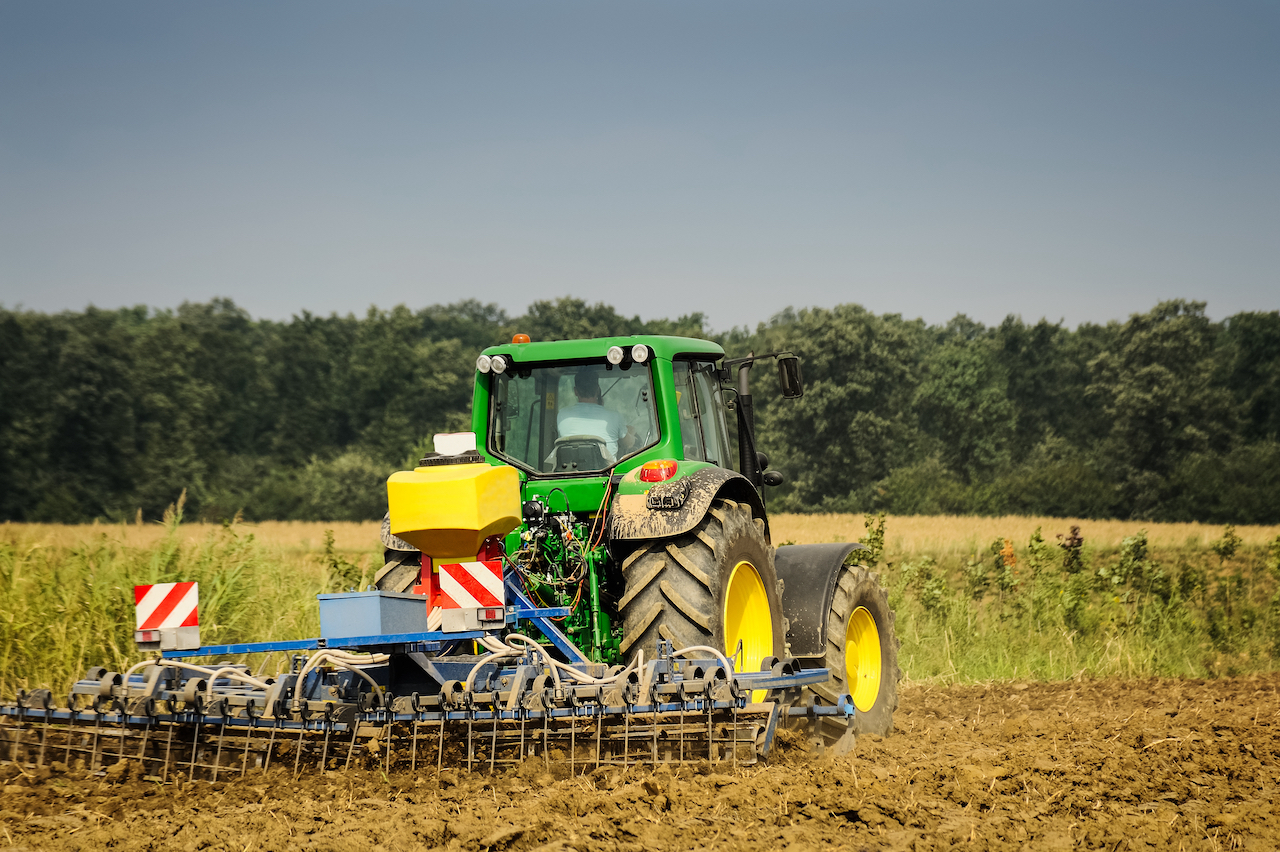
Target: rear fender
[[677, 506], [808, 574]]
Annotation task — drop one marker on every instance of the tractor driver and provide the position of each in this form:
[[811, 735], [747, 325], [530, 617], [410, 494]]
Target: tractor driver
[[589, 417]]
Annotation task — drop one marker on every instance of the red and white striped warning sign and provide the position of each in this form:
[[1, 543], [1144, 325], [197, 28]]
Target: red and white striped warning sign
[[166, 605], [471, 584]]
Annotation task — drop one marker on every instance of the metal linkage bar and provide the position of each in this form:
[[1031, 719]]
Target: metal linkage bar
[[542, 618], [422, 642]]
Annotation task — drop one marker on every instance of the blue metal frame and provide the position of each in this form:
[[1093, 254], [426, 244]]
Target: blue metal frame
[[523, 610]]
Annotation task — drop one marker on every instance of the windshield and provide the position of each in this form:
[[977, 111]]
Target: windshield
[[571, 417]]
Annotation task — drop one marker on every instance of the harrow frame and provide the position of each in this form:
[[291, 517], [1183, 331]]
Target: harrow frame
[[516, 702]]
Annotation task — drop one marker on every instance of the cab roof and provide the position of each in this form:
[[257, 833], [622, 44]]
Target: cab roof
[[561, 350]]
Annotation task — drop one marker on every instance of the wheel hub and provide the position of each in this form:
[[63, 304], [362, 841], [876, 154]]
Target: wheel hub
[[862, 658]]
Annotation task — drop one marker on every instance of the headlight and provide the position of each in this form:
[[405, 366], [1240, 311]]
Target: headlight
[[483, 363], [498, 364], [614, 355], [639, 353]]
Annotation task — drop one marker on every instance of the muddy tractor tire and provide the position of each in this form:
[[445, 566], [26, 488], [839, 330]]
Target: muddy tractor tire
[[862, 650], [713, 586], [401, 562]]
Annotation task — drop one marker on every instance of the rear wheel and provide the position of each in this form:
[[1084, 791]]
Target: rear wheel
[[862, 650], [713, 586]]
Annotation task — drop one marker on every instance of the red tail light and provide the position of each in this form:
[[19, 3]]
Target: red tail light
[[658, 471]]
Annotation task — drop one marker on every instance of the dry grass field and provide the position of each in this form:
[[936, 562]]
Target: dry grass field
[[939, 536]]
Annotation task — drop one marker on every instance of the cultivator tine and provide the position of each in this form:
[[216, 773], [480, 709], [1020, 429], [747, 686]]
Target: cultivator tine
[[351, 749], [71, 728], [217, 755], [271, 744], [324, 752], [248, 737], [682, 732], [655, 734], [599, 733], [124, 723], [97, 729], [297, 751], [142, 749], [386, 757], [735, 737], [168, 749], [546, 721], [17, 734], [440, 754], [195, 747], [711, 743], [413, 751], [470, 745], [44, 732]]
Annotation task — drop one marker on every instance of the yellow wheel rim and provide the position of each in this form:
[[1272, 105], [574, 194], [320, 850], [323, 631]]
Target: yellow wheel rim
[[862, 658], [747, 619]]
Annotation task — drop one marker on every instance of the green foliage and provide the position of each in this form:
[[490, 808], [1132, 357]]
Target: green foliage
[[977, 576], [873, 539], [963, 405], [1167, 415], [343, 575], [1132, 566], [1227, 546], [980, 618], [1040, 554]]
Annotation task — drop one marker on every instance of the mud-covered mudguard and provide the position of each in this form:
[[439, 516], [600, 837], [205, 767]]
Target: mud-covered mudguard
[[808, 574], [672, 508]]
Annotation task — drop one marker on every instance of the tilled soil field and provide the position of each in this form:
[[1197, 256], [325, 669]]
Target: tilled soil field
[[1160, 764]]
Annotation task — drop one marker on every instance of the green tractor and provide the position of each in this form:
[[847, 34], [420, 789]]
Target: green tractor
[[643, 513]]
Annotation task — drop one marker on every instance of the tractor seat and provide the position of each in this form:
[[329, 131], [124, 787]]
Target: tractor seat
[[581, 452]]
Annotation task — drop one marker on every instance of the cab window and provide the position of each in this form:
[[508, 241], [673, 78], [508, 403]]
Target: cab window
[[701, 409], [571, 418]]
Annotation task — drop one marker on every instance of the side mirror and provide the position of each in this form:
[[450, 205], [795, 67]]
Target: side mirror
[[773, 478], [789, 377]]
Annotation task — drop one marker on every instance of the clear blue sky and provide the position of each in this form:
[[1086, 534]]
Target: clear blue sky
[[1076, 160]]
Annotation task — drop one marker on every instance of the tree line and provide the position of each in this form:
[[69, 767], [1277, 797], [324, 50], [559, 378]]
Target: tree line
[[1167, 415]]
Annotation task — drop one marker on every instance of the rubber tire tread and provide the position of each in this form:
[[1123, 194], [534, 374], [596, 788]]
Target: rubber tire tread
[[400, 570], [681, 596], [858, 587]]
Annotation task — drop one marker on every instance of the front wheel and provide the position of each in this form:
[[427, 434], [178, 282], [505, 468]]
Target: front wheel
[[862, 650]]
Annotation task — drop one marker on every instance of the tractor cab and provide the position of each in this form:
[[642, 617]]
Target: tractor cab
[[568, 409]]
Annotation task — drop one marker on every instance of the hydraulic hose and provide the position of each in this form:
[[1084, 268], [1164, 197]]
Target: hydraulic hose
[[343, 660], [707, 649], [207, 671]]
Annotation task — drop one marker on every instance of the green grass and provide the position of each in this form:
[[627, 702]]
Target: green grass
[[1031, 613], [64, 608], [1187, 607]]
